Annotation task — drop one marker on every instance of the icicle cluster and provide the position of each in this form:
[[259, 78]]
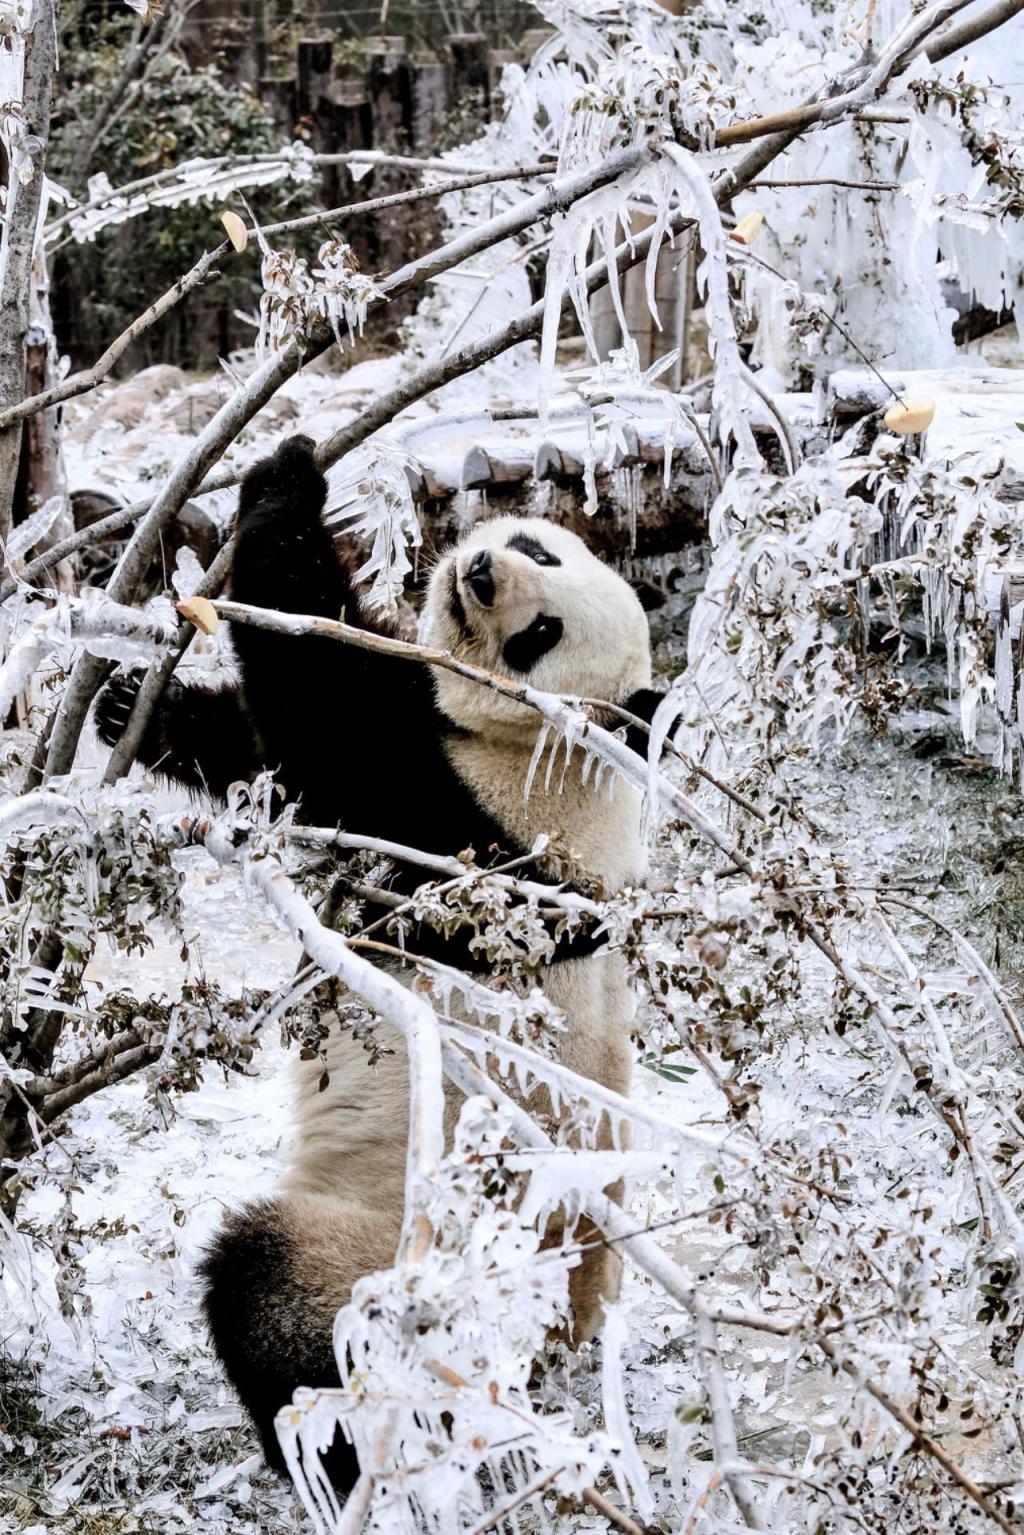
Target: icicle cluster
[[298, 298], [370, 495]]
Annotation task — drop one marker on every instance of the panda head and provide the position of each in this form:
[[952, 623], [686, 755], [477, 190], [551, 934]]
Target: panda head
[[527, 599]]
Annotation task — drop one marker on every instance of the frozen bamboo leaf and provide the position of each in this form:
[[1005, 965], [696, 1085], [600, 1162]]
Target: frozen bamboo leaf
[[747, 228], [909, 416], [236, 230], [201, 612]]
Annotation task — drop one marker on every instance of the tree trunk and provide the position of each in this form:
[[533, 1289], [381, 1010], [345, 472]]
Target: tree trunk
[[18, 248]]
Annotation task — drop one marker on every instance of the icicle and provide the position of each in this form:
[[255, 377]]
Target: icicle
[[552, 759], [535, 760]]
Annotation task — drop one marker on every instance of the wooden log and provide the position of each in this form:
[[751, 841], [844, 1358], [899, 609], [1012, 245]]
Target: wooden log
[[497, 60], [667, 521], [278, 96], [854, 392], [237, 62], [561, 459], [497, 465], [625, 445], [534, 38], [350, 114]]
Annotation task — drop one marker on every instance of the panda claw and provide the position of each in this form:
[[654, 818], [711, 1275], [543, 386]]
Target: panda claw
[[114, 706]]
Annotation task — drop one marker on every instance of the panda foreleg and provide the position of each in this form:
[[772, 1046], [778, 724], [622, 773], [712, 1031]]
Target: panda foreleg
[[198, 737], [284, 556]]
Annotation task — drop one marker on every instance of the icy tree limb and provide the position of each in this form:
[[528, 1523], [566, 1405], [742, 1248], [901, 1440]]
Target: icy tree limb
[[37, 809], [902, 48], [649, 1258], [969, 955], [453, 867], [235, 414], [113, 1068], [160, 673], [89, 378], [953, 39], [18, 244], [78, 620], [389, 1000], [723, 1427], [413, 195], [920, 1436], [159, 180], [777, 131], [610, 1217]]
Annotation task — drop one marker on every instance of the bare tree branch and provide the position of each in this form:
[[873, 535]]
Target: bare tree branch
[[81, 383], [415, 194]]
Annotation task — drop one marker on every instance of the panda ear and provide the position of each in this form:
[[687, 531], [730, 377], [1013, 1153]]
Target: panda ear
[[643, 703], [651, 597]]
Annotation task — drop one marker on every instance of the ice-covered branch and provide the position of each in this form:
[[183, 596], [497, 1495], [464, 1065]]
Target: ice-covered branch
[[388, 999], [723, 1426], [218, 175], [80, 383], [92, 617]]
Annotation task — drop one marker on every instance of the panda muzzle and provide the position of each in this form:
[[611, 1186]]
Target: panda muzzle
[[479, 577]]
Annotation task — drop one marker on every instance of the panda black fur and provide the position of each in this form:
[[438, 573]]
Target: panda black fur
[[518, 596]]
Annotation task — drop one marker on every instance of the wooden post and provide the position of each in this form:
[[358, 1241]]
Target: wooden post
[[672, 293], [469, 69], [351, 118], [497, 59], [431, 99], [390, 88], [534, 38], [278, 96], [313, 64], [259, 37]]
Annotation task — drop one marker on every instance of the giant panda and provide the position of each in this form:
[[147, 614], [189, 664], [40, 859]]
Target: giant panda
[[435, 761]]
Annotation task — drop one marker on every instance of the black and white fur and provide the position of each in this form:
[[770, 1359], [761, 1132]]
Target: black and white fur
[[382, 747]]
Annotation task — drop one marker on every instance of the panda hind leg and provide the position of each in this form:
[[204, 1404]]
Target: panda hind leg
[[274, 1278]]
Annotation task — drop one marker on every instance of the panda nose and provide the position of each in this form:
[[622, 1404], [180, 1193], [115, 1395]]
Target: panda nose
[[480, 578]]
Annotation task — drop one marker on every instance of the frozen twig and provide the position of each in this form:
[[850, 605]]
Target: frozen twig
[[968, 955], [331, 216], [89, 378], [919, 1436], [391, 1001], [77, 620], [723, 1428]]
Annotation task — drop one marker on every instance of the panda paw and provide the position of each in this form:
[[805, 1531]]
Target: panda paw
[[114, 705], [287, 479]]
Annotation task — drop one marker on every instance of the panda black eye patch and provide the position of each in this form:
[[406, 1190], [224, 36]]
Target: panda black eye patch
[[531, 546], [522, 651]]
